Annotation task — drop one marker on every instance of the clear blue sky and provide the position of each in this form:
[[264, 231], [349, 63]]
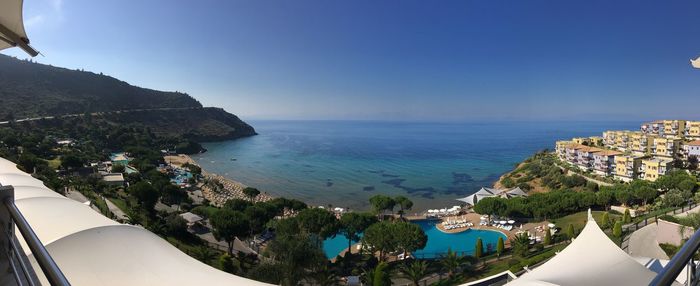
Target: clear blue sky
[[391, 60]]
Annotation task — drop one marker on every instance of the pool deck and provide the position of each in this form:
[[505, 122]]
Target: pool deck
[[475, 219]]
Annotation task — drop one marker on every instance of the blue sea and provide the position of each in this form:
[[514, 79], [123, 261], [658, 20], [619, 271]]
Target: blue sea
[[343, 163]]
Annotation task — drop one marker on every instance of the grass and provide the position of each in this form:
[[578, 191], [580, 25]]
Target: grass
[[121, 204], [579, 219], [670, 249], [54, 163]]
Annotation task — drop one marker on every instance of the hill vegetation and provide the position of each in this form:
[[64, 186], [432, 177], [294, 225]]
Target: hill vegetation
[[29, 89]]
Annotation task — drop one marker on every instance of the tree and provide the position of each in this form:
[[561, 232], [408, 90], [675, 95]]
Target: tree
[[617, 229], [404, 203], [145, 193], [606, 220], [451, 262], [176, 226], [226, 263], [381, 275], [295, 252], [478, 248], [118, 168], [204, 254], [319, 222], [604, 198], [627, 218], [380, 203], [353, 223], [547, 236], [408, 237], [623, 196], [692, 162], [643, 192], [490, 206], [379, 237], [673, 198], [521, 244], [72, 161], [570, 232], [415, 271], [251, 193], [228, 224], [500, 246]]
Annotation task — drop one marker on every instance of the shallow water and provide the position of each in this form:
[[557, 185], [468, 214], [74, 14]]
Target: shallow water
[[343, 163]]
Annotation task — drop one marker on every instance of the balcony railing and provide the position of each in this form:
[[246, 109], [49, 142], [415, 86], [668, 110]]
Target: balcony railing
[[20, 270]]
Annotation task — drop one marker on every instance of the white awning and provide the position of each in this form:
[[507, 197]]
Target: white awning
[[12, 32], [591, 259]]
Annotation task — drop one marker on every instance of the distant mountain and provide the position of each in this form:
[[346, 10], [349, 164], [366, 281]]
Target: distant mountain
[[29, 89]]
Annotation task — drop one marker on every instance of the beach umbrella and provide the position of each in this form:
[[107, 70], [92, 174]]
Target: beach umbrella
[[443, 210], [511, 222], [551, 225]]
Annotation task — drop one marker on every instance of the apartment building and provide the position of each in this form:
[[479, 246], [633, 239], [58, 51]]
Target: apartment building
[[627, 167], [652, 168], [560, 148], [653, 128], [640, 143], [666, 146], [604, 161], [692, 129], [674, 128], [691, 148]]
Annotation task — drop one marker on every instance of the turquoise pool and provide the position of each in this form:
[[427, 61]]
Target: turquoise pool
[[438, 241]]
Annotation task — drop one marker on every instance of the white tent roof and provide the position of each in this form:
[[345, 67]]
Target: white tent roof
[[12, 27], [490, 192], [591, 259], [91, 249]]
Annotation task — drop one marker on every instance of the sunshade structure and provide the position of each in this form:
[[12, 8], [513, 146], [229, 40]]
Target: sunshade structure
[[592, 259], [12, 32], [489, 192], [91, 249]]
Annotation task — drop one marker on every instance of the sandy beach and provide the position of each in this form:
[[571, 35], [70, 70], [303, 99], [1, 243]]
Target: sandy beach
[[222, 189]]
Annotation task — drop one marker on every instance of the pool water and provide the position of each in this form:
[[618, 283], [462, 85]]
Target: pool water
[[439, 242]]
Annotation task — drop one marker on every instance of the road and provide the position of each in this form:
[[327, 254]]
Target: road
[[643, 243], [98, 113], [116, 211]]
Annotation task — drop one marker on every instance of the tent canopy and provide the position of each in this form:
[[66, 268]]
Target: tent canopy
[[12, 32]]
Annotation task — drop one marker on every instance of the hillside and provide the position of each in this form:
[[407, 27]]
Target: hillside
[[29, 89]]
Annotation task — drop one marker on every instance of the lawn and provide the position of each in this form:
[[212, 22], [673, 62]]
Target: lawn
[[55, 163], [579, 219]]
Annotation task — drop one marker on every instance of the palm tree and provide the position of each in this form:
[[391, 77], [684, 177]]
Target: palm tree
[[415, 271], [325, 277], [451, 262], [521, 244]]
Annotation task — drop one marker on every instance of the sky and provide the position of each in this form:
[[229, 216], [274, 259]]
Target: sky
[[389, 60]]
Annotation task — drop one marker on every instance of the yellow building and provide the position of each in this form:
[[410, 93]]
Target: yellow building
[[652, 168], [596, 140], [666, 146], [627, 167], [674, 127], [692, 129]]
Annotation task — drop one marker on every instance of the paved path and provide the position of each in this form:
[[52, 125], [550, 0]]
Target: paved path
[[116, 211], [643, 243]]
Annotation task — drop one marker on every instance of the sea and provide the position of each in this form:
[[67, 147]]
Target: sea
[[344, 163]]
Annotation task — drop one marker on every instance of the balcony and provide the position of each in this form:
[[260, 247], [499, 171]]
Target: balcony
[[14, 259]]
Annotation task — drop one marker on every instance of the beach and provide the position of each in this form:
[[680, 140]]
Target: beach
[[217, 189]]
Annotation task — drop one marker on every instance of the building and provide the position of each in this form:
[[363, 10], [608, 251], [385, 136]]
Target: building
[[674, 128], [560, 148], [691, 148], [666, 147], [652, 168], [627, 167], [116, 179], [692, 129], [640, 143], [604, 162], [653, 128]]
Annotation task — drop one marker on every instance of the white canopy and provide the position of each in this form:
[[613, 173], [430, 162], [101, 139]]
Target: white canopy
[[91, 249], [490, 192], [591, 259], [12, 32]]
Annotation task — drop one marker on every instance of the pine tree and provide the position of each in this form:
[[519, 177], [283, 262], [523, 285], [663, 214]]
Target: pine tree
[[500, 246], [570, 231], [617, 229], [627, 218], [478, 251], [606, 220]]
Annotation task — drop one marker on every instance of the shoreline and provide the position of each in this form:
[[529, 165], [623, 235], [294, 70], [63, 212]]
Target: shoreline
[[226, 188]]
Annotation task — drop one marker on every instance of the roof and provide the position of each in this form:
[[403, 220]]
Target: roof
[[113, 177], [12, 27], [591, 259], [484, 192], [190, 217], [91, 249], [693, 143]]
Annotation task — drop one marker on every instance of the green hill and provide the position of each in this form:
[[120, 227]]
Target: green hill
[[29, 89]]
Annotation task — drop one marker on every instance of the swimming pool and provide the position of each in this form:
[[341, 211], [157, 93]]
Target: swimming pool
[[438, 242]]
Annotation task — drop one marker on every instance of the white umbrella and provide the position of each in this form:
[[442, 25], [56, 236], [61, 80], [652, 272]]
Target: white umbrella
[[511, 222], [443, 210], [551, 225], [502, 222]]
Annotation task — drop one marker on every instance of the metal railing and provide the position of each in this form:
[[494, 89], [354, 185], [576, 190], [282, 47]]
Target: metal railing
[[684, 259], [17, 260]]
